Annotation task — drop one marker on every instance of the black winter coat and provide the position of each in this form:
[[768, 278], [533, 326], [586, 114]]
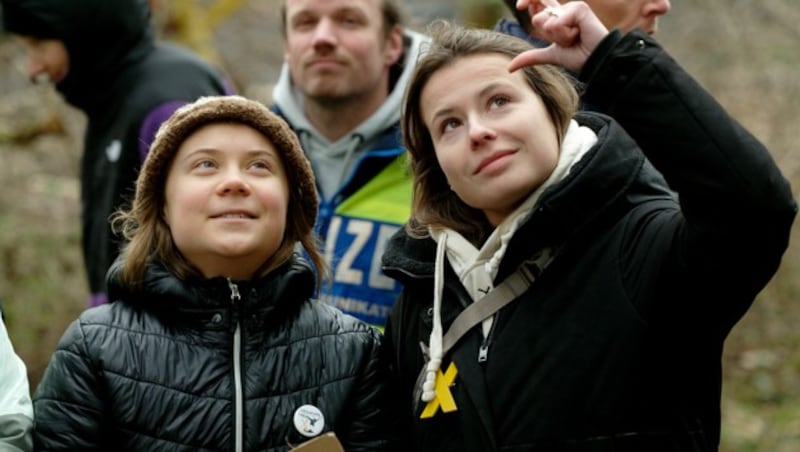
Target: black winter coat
[[617, 345], [183, 367]]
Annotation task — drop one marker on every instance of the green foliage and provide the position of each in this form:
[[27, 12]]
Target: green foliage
[[481, 13]]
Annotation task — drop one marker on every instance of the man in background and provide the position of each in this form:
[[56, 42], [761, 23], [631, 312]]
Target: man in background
[[346, 66]]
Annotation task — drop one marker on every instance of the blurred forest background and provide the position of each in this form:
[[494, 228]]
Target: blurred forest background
[[746, 52]]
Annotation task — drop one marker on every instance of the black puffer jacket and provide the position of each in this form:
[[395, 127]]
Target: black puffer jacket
[[617, 345], [183, 367]]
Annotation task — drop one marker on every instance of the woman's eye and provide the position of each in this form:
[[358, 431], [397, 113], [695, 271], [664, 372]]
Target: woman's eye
[[205, 164], [448, 125], [498, 101], [260, 165]]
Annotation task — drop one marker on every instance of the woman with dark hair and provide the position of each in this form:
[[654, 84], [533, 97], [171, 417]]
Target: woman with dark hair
[[553, 297]]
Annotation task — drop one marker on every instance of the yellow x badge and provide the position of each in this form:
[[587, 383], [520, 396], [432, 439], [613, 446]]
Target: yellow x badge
[[443, 396]]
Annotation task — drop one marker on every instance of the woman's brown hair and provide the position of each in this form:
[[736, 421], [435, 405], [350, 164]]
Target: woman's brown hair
[[434, 204]]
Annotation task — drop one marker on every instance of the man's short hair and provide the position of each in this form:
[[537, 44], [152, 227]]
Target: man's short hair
[[391, 16]]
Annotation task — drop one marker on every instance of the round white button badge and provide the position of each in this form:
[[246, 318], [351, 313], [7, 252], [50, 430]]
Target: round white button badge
[[309, 421]]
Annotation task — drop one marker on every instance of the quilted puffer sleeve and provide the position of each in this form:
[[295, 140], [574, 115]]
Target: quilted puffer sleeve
[[67, 402], [369, 429]]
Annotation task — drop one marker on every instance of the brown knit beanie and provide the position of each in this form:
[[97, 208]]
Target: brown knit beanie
[[227, 109]]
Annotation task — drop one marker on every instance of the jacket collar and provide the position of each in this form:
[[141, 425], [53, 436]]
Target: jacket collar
[[287, 286], [597, 183]]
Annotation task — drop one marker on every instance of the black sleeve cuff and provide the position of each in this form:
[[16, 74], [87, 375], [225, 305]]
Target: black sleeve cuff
[[599, 55]]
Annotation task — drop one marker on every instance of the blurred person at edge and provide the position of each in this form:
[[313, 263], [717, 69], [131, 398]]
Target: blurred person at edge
[[16, 412], [103, 58], [620, 300], [624, 15], [212, 339], [347, 63]]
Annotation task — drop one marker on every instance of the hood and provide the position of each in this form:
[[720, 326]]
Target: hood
[[324, 153], [102, 38], [612, 176]]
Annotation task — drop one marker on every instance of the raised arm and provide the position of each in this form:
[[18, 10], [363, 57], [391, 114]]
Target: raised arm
[[736, 208]]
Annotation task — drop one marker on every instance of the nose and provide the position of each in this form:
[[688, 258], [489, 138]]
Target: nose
[[659, 7], [233, 183], [324, 33], [480, 133]]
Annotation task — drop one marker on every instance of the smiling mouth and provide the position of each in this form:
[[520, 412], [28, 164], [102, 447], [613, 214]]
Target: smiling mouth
[[491, 159], [234, 216]]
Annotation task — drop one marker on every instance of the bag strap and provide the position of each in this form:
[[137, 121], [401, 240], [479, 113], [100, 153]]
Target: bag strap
[[511, 288]]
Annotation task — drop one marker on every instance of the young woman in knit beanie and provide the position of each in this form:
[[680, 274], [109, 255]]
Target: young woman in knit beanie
[[556, 296], [212, 340]]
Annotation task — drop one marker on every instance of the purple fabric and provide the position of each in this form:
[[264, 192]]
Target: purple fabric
[[96, 299], [229, 90], [152, 122]]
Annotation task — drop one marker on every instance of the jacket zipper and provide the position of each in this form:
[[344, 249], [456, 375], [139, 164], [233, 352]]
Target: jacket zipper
[[483, 350], [237, 370]]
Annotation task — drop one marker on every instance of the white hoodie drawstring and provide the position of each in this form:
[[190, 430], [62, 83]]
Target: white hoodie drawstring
[[464, 258], [435, 350]]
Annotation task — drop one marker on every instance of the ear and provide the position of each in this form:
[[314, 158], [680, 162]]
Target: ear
[[164, 215], [394, 45]]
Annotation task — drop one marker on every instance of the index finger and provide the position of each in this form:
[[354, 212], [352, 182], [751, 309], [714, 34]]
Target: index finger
[[537, 5], [529, 58]]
